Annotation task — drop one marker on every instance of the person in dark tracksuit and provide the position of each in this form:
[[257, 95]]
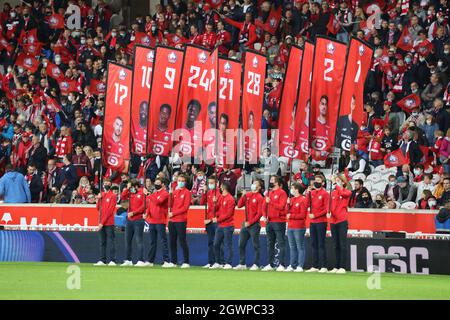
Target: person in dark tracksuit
[[106, 205], [253, 202]]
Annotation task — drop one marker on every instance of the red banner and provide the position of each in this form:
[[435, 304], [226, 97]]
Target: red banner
[[252, 101], [230, 72], [327, 76], [351, 110], [272, 21], [301, 130], [116, 128], [405, 42], [56, 21], [395, 159], [97, 87], [67, 86], [409, 103], [54, 72], [196, 84], [288, 100], [163, 99], [142, 78], [27, 62]]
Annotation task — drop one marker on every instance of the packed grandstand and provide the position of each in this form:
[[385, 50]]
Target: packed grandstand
[[52, 107]]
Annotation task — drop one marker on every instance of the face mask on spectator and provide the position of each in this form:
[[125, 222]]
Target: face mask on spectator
[[180, 185], [408, 60], [57, 59], [20, 69], [133, 190], [440, 64], [317, 185], [83, 41], [253, 187], [97, 43], [421, 59], [113, 34], [211, 186], [415, 114], [392, 183], [157, 186], [416, 172], [13, 14], [414, 90], [446, 52], [431, 203], [10, 69]]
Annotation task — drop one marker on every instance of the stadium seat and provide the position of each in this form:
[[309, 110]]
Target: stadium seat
[[361, 176], [374, 177], [408, 205], [397, 205]]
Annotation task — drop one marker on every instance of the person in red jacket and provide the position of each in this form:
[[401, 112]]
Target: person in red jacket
[[106, 206], [251, 227], [210, 199], [247, 31], [134, 228], [156, 217], [225, 227], [296, 218], [181, 199], [338, 221], [318, 202], [275, 216]]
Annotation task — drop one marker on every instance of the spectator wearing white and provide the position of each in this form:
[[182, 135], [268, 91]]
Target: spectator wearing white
[[417, 117], [426, 184], [268, 167], [414, 28]]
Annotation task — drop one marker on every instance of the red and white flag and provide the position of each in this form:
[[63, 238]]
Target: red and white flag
[[409, 103], [395, 159]]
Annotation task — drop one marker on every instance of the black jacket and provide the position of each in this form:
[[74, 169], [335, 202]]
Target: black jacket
[[38, 157]]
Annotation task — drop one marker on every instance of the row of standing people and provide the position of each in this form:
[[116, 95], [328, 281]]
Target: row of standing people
[[279, 211]]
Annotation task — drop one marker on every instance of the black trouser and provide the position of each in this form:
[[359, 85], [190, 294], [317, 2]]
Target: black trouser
[[276, 231], [177, 232], [211, 233], [318, 233], [107, 236], [134, 229], [247, 233], [339, 236], [157, 231]]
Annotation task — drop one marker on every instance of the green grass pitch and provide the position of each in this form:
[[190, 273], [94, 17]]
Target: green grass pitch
[[49, 281]]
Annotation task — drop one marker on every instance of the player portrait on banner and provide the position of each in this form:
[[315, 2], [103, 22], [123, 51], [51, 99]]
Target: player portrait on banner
[[162, 136], [347, 128]]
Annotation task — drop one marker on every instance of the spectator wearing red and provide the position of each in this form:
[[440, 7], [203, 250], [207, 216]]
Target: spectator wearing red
[[134, 229], [223, 39], [276, 210], [296, 218], [63, 144], [20, 155], [156, 216], [209, 38], [106, 206], [195, 37], [211, 198], [247, 31], [225, 227], [81, 162], [375, 154], [338, 221], [318, 203], [181, 200]]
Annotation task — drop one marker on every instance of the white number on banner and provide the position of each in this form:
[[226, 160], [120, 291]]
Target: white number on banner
[[329, 63], [195, 71], [204, 82], [146, 76], [358, 73], [120, 93], [170, 77], [224, 85], [253, 85]]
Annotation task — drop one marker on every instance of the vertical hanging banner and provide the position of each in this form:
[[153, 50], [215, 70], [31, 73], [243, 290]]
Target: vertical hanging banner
[[301, 129], [326, 87], [288, 104], [163, 99], [197, 82], [230, 72], [116, 127], [142, 78], [252, 102], [351, 111]]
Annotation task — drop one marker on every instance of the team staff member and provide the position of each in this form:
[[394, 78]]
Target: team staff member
[[106, 205], [318, 203], [338, 222], [225, 227], [181, 199], [135, 223], [276, 202], [156, 217], [254, 203], [211, 198], [296, 228]]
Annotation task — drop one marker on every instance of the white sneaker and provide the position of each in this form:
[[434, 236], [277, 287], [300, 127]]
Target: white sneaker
[[323, 270], [168, 265], [216, 266], [289, 269], [99, 263], [280, 269], [341, 271], [254, 268], [112, 264], [140, 264], [298, 269], [149, 264], [333, 270], [185, 266], [267, 268], [312, 270], [227, 267], [126, 263], [206, 266], [240, 267]]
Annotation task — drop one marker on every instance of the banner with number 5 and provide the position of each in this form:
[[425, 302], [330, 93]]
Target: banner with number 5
[[116, 128], [142, 78], [163, 99], [326, 87], [252, 103], [352, 100]]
